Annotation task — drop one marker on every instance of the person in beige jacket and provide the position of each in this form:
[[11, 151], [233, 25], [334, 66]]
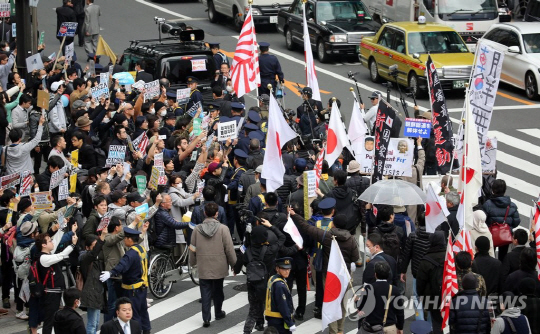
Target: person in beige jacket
[[212, 250]]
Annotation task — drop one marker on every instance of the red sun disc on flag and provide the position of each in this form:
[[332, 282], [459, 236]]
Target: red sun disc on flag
[[332, 288], [470, 174], [331, 143], [278, 143], [428, 209]]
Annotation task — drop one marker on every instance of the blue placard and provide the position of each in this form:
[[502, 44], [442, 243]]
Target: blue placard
[[415, 127], [67, 29]]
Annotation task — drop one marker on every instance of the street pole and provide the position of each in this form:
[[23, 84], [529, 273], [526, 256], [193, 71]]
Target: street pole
[[24, 35]]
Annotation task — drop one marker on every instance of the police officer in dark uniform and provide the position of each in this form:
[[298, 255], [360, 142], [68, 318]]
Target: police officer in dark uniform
[[195, 95], [234, 189], [219, 57], [237, 110], [269, 67], [134, 270], [172, 105], [279, 307], [243, 138], [213, 112], [307, 110]]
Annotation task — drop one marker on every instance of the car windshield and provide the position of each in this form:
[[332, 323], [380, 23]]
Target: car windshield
[[341, 10], [435, 42], [176, 69], [531, 43], [467, 6]]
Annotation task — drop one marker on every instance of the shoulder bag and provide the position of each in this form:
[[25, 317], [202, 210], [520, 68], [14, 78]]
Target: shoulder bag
[[366, 328], [501, 232]]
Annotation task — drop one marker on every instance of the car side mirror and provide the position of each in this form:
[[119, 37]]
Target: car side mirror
[[416, 55], [514, 49]]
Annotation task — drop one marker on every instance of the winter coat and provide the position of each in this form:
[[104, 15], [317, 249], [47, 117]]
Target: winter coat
[[511, 262], [400, 220], [358, 183], [5, 70], [416, 247], [426, 269], [531, 311], [67, 320], [469, 314], [33, 124], [513, 280], [490, 269], [57, 114], [480, 282], [326, 184], [197, 217], [495, 209], [113, 249], [288, 187], [180, 200], [166, 227], [212, 249], [270, 255], [17, 159], [451, 223], [519, 320], [91, 225], [346, 204], [93, 292], [347, 244], [388, 228]]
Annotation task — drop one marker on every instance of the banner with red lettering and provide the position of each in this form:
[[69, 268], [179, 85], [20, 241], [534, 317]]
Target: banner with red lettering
[[442, 126], [383, 127]]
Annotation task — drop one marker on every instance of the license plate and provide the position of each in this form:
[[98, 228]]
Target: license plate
[[273, 19], [458, 84]]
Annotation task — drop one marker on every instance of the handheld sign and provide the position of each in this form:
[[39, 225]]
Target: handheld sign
[[227, 130], [5, 9], [141, 184], [105, 220], [416, 127], [151, 90], [67, 29], [182, 95], [117, 155], [42, 200], [100, 90], [12, 180]]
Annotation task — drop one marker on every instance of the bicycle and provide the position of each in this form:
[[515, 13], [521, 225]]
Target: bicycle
[[164, 271]]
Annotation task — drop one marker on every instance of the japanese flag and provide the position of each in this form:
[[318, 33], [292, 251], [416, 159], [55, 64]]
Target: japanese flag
[[434, 212], [336, 138], [337, 279], [357, 130], [292, 230]]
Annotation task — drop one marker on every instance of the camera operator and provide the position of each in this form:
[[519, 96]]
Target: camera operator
[[372, 112], [308, 104], [221, 77], [326, 112]]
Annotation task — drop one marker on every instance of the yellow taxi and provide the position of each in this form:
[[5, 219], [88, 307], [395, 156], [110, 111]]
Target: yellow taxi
[[399, 51]]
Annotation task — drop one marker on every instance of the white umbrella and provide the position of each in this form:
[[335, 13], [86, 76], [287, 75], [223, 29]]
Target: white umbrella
[[394, 192]]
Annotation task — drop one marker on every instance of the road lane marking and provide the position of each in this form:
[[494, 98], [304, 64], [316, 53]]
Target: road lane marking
[[510, 97], [531, 132], [518, 163], [514, 107], [515, 142], [165, 10]]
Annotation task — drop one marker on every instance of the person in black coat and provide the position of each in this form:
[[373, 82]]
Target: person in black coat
[[65, 14], [487, 266], [269, 67], [67, 320], [374, 244], [124, 314], [451, 224], [527, 268], [395, 317], [140, 67], [527, 288], [511, 260], [469, 312], [500, 209]]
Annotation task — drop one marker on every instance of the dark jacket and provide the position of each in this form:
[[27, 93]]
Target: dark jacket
[[87, 157], [3, 125], [345, 204], [451, 223], [510, 263], [288, 187], [358, 183], [415, 248], [113, 327], [198, 216], [91, 225], [270, 255], [469, 314], [91, 266], [297, 201], [165, 228], [67, 320], [426, 269], [144, 76], [347, 244], [495, 209], [33, 123], [387, 228], [490, 269], [531, 311], [396, 314], [369, 273], [513, 280]]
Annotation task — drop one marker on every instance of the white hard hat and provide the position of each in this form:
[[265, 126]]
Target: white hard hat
[[421, 20]]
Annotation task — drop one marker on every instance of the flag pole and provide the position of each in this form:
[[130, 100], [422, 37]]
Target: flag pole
[[358, 102]]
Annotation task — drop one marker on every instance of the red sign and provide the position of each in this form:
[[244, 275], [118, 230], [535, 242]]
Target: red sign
[[5, 10], [470, 26]]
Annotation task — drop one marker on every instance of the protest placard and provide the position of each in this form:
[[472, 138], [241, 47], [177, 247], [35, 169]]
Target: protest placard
[[41, 37], [73, 183], [154, 178], [57, 177], [5, 9], [194, 108], [417, 127], [311, 183], [141, 184], [489, 160], [158, 160], [151, 90], [117, 155], [198, 65], [34, 62], [42, 200], [14, 30], [105, 220], [138, 85], [182, 95], [162, 180], [75, 158], [67, 29], [100, 90], [399, 157], [43, 99], [9, 181], [69, 51], [63, 190], [104, 77], [26, 183], [209, 141], [227, 130], [142, 211]]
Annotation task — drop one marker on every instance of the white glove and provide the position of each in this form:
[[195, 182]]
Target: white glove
[[353, 267], [105, 275], [292, 328]]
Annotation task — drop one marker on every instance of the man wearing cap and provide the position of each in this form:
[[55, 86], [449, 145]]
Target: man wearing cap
[[195, 95], [213, 112], [168, 125], [243, 138], [372, 112], [234, 190], [118, 205], [269, 67], [308, 107], [219, 57], [279, 307], [134, 270]]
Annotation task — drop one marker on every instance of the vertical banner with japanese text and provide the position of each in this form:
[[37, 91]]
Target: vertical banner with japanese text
[[383, 126], [442, 127]]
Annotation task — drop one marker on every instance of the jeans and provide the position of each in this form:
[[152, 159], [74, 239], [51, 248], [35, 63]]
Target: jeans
[[211, 289], [419, 310], [93, 320]]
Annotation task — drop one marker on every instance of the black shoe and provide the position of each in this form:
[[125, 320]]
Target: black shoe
[[317, 313], [6, 304], [206, 324], [221, 315], [200, 300], [259, 327], [298, 316]]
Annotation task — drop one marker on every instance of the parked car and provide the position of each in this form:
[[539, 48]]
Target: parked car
[[335, 26], [406, 45], [520, 43], [264, 11]]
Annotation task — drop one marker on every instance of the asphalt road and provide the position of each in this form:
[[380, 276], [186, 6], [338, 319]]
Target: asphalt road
[[514, 122]]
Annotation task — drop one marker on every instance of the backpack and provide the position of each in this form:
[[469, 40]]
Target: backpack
[[37, 286], [436, 279], [152, 233], [225, 60], [390, 244], [256, 269], [21, 261]]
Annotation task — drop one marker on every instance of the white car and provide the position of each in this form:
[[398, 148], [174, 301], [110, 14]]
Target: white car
[[520, 42]]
